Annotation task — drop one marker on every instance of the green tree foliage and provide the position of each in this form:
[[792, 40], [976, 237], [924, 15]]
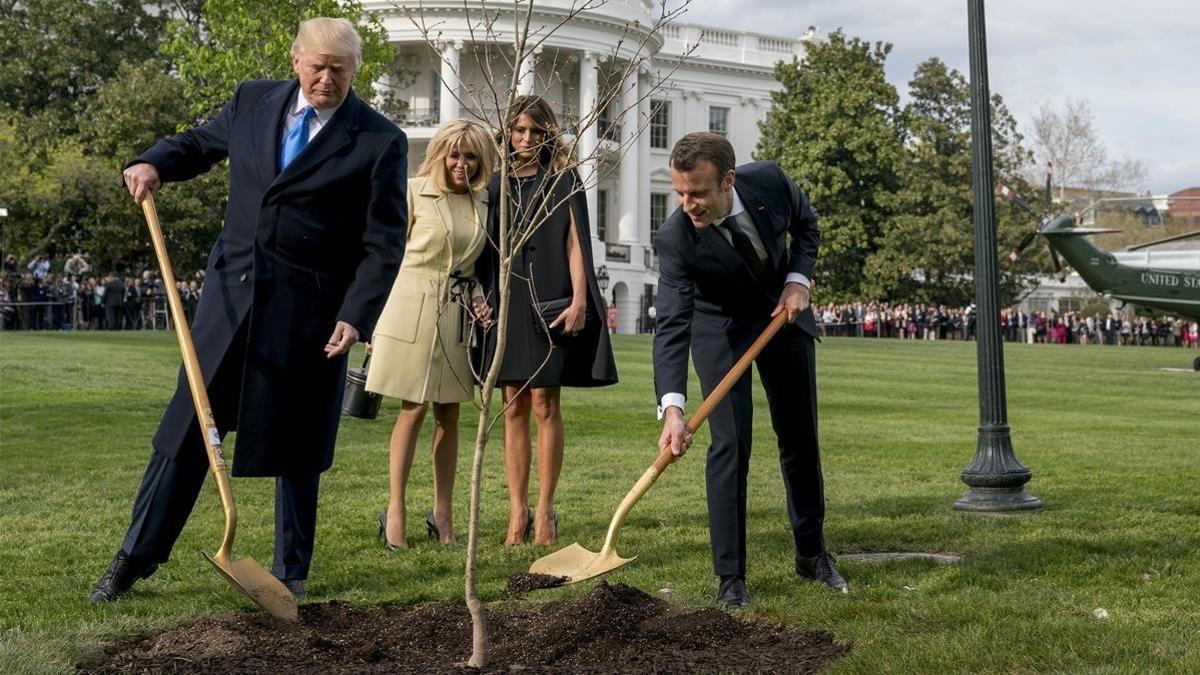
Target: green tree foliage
[[60, 51], [98, 82], [833, 128], [230, 41], [927, 252]]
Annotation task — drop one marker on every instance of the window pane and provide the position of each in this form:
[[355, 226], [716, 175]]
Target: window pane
[[602, 215], [718, 120], [660, 131], [658, 212]]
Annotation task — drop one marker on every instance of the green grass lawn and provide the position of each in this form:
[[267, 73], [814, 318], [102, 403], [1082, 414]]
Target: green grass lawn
[[1113, 443]]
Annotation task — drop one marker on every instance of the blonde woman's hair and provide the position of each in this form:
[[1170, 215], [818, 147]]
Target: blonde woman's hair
[[462, 135], [322, 35]]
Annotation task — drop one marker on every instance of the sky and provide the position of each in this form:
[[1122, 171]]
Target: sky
[[1136, 64]]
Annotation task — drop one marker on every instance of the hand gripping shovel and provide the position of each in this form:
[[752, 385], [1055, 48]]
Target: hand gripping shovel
[[245, 574], [575, 562]]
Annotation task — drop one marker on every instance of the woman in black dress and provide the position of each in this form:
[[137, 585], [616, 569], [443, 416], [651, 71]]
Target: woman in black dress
[[555, 336]]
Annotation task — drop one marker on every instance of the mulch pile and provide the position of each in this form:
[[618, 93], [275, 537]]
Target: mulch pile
[[613, 629]]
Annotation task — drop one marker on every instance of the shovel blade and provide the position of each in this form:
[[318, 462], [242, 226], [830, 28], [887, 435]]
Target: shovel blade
[[246, 575], [576, 563]]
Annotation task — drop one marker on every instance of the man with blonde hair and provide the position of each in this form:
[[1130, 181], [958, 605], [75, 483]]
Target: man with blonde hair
[[313, 236]]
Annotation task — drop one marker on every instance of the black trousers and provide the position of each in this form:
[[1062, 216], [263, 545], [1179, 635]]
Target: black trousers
[[170, 487], [788, 373]]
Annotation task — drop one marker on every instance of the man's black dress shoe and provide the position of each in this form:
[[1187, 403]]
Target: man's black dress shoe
[[731, 594], [121, 574], [296, 586], [820, 567]]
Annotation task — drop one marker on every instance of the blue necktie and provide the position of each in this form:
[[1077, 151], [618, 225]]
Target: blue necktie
[[296, 139]]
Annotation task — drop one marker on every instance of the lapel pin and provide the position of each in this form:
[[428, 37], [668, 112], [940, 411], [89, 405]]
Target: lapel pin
[[761, 207]]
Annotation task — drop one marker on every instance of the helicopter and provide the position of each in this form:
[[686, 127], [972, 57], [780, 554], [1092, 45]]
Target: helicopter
[[1163, 280]]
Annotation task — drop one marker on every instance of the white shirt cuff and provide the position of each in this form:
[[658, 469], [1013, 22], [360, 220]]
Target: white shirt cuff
[[798, 278], [671, 399]]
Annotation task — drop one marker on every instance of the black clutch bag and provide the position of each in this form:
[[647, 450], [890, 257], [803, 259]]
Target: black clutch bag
[[546, 311]]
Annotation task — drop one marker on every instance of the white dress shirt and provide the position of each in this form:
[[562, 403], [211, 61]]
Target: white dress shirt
[[315, 124]]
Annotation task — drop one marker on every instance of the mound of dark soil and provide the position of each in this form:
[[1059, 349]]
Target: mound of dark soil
[[613, 629], [523, 582]]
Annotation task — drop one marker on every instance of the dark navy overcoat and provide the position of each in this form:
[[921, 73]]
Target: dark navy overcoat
[[301, 249]]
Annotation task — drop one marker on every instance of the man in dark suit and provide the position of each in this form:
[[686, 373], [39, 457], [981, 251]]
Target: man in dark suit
[[114, 301], [313, 237], [726, 268]]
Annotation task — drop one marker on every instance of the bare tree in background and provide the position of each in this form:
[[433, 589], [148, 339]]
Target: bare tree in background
[[1066, 141], [503, 40]]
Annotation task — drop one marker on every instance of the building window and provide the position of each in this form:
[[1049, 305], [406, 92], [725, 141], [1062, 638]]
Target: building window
[[660, 123], [658, 213], [606, 129], [602, 215], [718, 120]]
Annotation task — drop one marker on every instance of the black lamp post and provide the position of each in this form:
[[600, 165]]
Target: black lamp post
[[996, 477], [602, 278]]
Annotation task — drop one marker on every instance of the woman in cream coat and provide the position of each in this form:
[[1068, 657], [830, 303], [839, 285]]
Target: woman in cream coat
[[420, 347]]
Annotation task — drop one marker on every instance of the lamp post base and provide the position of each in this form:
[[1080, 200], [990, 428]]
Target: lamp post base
[[997, 500]]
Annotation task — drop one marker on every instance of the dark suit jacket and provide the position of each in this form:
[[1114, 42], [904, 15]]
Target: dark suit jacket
[[114, 293], [703, 279], [318, 243]]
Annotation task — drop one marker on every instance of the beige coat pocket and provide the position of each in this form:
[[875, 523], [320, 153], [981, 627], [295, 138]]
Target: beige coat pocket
[[402, 315]]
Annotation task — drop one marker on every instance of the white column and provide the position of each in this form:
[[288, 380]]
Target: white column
[[643, 175], [525, 75], [627, 227], [449, 108], [589, 138]]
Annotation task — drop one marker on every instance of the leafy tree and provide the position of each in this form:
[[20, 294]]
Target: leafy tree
[[927, 253], [128, 114], [64, 192], [225, 42], [99, 93], [63, 50], [833, 128]]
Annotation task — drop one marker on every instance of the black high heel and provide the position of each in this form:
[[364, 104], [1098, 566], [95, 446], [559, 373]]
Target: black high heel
[[383, 532], [431, 527], [554, 520]]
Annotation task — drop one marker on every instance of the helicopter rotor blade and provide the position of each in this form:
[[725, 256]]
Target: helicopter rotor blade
[[1011, 195], [1016, 252]]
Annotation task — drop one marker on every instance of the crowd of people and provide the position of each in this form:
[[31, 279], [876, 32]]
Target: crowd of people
[[928, 322], [37, 298]]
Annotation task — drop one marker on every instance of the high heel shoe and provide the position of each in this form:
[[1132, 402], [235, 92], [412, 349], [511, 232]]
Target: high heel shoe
[[527, 533], [554, 521], [431, 527], [383, 532]]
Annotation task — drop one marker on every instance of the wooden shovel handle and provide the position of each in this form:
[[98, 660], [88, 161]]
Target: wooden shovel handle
[[195, 377], [722, 389]]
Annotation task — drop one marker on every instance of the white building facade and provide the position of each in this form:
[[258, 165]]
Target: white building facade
[[723, 85]]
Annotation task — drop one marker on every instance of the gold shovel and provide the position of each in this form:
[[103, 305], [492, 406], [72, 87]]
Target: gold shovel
[[575, 562], [245, 574]]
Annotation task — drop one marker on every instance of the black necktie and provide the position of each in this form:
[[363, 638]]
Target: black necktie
[[744, 247]]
